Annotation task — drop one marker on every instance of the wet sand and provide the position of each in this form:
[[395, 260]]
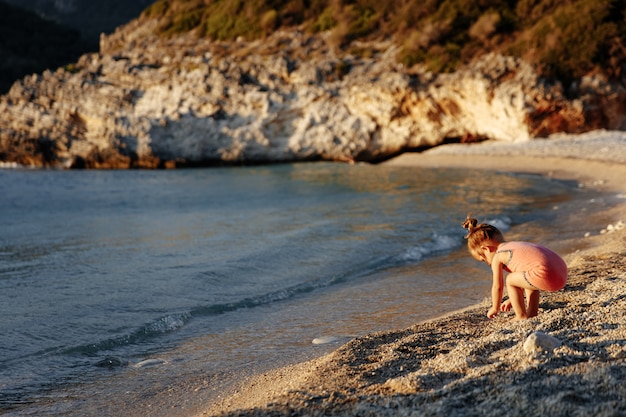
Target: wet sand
[[464, 364]]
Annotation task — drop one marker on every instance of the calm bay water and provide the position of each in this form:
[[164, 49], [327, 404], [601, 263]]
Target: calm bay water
[[116, 286]]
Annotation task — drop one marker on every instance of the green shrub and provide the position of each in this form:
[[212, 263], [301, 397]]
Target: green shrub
[[325, 21], [72, 68], [185, 22], [156, 9], [486, 25], [225, 27], [361, 21], [443, 58], [293, 12], [410, 57], [269, 21]]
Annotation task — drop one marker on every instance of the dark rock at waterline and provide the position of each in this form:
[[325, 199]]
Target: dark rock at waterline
[[111, 362]]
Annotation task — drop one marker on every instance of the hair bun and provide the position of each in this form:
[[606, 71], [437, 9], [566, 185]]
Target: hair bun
[[469, 224]]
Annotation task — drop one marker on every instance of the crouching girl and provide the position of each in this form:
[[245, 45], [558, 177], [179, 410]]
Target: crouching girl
[[531, 268]]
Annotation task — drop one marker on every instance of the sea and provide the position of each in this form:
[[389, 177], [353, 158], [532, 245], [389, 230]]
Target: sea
[[152, 292]]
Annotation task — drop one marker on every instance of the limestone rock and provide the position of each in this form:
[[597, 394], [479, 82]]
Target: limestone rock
[[148, 102], [539, 342]]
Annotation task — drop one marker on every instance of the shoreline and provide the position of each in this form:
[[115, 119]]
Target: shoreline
[[463, 363]]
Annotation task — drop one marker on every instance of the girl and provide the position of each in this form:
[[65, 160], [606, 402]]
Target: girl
[[531, 267]]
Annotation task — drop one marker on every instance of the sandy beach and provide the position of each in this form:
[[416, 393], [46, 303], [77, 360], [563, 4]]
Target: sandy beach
[[569, 360]]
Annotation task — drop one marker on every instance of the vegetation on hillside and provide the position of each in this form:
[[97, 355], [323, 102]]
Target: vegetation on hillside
[[564, 39]]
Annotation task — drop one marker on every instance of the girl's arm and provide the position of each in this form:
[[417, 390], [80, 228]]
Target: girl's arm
[[497, 286]]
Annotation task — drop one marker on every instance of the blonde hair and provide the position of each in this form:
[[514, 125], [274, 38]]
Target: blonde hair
[[477, 234]]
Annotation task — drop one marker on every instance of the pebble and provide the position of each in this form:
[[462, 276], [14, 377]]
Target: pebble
[[538, 342], [613, 227]]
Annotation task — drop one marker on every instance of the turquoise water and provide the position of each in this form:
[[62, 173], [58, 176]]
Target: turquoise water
[[118, 285]]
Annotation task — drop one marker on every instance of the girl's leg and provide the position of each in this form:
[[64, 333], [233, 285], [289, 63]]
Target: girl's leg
[[532, 302], [516, 295], [516, 286]]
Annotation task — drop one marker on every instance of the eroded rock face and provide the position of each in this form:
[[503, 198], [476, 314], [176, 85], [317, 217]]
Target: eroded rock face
[[149, 102]]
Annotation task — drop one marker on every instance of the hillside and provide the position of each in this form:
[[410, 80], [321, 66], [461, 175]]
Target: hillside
[[564, 39]]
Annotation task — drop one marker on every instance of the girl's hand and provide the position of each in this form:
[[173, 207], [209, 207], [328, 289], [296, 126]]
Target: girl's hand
[[493, 311], [506, 306]]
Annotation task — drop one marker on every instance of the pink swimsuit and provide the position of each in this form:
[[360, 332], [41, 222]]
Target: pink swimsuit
[[542, 268]]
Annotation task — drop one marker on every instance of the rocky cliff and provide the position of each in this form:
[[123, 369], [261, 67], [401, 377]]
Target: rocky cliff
[[146, 101]]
